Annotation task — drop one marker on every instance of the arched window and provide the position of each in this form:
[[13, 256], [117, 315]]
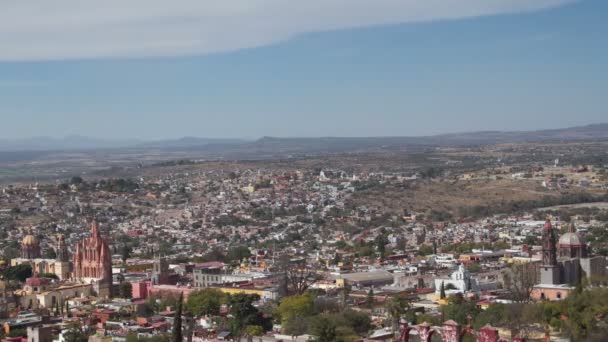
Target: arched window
[[542, 296], [559, 295]]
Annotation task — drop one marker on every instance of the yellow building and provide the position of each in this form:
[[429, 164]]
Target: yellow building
[[267, 293]]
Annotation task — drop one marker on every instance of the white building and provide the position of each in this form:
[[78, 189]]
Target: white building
[[460, 280], [445, 260]]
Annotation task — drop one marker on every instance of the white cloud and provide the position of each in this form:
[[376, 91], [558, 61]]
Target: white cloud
[[72, 29]]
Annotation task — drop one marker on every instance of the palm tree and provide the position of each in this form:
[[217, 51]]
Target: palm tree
[[396, 308]]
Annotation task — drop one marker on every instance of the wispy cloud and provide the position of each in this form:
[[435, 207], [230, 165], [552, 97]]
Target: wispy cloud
[[73, 29]]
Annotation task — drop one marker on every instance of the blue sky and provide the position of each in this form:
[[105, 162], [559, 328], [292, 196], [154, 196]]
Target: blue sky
[[508, 67]]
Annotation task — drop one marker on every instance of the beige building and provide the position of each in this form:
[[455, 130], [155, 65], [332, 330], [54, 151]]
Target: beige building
[[42, 293], [30, 255], [59, 268]]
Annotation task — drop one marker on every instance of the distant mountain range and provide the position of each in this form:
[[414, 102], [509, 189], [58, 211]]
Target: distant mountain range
[[76, 142], [304, 145]]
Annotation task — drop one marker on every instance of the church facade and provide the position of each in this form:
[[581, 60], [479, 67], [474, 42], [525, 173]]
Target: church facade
[[92, 262], [30, 255], [564, 263]]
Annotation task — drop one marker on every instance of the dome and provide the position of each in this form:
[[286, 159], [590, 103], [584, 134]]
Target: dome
[[570, 239], [29, 240]]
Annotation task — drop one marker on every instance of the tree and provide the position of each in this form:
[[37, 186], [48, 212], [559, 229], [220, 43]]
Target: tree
[[10, 253], [396, 308], [345, 293], [74, 334], [298, 277], [254, 330], [244, 313], [459, 309], [132, 337], [238, 253], [49, 253], [359, 321], [442, 291], [520, 281], [125, 253], [20, 332], [206, 302], [176, 333], [56, 310], [450, 286], [424, 250], [18, 272], [324, 330], [295, 310], [125, 290], [76, 180], [48, 275], [369, 300], [67, 309], [381, 242]]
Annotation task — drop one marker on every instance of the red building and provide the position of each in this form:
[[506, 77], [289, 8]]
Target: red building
[[93, 262]]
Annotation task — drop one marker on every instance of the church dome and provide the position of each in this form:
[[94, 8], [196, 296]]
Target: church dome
[[570, 239], [29, 240]]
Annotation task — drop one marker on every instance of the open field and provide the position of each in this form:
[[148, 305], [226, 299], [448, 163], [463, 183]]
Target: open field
[[598, 205]]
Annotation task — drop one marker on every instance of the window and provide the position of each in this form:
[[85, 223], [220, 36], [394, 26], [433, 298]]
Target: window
[[559, 295]]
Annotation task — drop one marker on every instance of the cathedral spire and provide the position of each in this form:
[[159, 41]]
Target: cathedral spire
[[95, 229]]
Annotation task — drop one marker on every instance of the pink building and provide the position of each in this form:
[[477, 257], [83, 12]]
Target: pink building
[[141, 289]]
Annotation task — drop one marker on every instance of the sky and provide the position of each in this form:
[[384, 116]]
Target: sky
[[155, 69]]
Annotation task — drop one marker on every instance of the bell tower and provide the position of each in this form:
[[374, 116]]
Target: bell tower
[[549, 270], [549, 245], [62, 249], [160, 271]]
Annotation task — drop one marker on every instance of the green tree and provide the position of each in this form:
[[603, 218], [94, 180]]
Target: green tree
[[458, 309], [206, 302], [20, 332], [48, 275], [294, 310], [425, 250], [381, 241], [324, 330], [125, 253], [442, 291], [244, 313], [125, 290], [254, 330], [359, 321], [396, 308], [49, 253], [238, 253], [19, 272], [176, 333], [74, 334], [369, 300]]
